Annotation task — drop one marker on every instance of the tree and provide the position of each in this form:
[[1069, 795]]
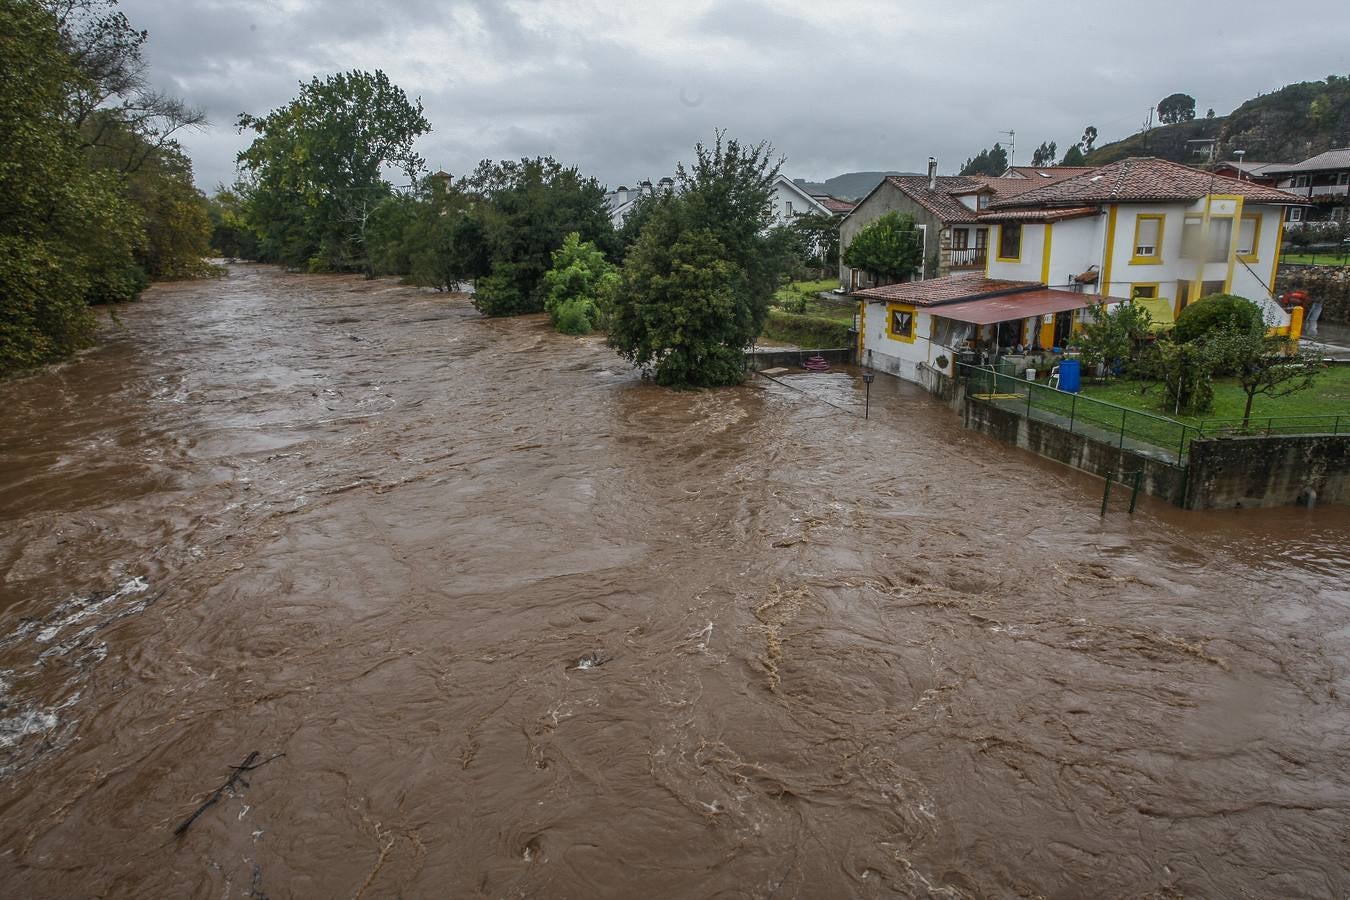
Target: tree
[[1074, 156], [314, 174], [993, 161], [67, 231], [231, 236], [1209, 113], [579, 283], [695, 287], [1185, 370], [174, 212], [1089, 138], [818, 235], [888, 248], [1264, 364], [528, 208], [1176, 108], [1115, 335], [1044, 155]]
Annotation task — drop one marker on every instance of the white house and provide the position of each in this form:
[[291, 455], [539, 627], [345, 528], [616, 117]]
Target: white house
[[1144, 230], [791, 201], [622, 200]]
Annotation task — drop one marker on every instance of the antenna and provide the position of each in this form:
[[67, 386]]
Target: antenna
[[1148, 126], [1012, 147]]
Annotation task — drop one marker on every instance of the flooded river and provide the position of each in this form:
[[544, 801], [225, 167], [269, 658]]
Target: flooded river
[[523, 626]]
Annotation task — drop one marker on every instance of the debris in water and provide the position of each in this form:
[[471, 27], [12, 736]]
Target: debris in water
[[247, 765], [593, 660]]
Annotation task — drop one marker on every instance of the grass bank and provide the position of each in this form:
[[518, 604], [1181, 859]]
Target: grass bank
[[806, 331], [1330, 394]]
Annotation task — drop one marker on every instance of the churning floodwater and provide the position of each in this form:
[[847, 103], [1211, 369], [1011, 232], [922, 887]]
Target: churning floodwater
[[524, 626]]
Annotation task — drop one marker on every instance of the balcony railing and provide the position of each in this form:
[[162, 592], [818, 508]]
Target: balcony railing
[[968, 256], [1329, 190]]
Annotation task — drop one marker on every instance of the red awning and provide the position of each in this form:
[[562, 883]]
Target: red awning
[[1009, 307]]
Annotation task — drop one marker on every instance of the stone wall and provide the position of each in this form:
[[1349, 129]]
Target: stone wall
[[1269, 471], [1077, 450], [1330, 284]]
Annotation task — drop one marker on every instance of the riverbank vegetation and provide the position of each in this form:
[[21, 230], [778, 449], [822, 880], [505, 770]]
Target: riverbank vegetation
[[96, 197]]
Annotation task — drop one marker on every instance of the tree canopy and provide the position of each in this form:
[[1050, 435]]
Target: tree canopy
[[580, 281], [1176, 108], [993, 161], [888, 249], [695, 286], [314, 175], [1044, 155]]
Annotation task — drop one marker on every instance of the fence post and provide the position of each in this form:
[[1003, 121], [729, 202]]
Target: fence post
[[1134, 494], [1106, 494], [1269, 422], [1123, 414], [1029, 386], [1181, 450], [1073, 408]]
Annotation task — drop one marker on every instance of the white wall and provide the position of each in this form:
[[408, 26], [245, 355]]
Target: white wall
[[1028, 265], [783, 195], [898, 357]]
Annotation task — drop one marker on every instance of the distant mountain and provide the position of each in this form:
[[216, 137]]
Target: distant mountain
[[849, 186], [1288, 125]]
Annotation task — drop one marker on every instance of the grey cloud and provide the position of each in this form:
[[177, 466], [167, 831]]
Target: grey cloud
[[878, 90]]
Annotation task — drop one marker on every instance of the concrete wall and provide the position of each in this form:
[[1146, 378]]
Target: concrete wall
[[1077, 450], [1269, 471]]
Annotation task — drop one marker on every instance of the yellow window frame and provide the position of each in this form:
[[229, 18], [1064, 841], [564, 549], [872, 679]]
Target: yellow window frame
[[1256, 237], [998, 247], [891, 310], [1156, 259], [1156, 285]]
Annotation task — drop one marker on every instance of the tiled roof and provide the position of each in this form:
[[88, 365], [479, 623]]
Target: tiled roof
[[1139, 180], [1044, 174], [939, 202], [1038, 214], [1332, 159], [965, 286], [834, 204], [1012, 187]]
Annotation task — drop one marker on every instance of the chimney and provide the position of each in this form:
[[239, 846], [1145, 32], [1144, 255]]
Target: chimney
[[932, 173]]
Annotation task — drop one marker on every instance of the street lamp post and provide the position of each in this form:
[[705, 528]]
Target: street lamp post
[[867, 394]]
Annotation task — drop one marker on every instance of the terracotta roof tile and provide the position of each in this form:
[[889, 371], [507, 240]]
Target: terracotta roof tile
[[1038, 214], [1138, 180], [939, 202], [834, 204], [965, 286]]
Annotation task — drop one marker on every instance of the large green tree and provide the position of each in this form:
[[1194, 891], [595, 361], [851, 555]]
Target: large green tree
[[695, 288], [526, 209], [579, 284], [888, 249], [993, 161], [315, 174], [1176, 108], [67, 231]]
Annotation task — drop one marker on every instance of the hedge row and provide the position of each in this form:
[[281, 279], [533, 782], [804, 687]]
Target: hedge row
[[808, 332]]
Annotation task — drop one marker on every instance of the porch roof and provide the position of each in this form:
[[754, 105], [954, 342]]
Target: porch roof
[[1008, 307]]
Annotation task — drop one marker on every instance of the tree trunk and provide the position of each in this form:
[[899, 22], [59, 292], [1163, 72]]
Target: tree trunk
[[1247, 412]]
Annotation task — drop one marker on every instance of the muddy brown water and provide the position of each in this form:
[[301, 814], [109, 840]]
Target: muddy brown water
[[525, 626]]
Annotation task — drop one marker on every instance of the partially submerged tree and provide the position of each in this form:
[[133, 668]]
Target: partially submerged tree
[[888, 249], [695, 287], [579, 284], [314, 175]]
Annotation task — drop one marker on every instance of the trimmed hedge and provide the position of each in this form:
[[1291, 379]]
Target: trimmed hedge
[[807, 332]]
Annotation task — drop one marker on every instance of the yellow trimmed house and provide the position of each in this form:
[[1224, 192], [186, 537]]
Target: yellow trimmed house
[[1142, 229]]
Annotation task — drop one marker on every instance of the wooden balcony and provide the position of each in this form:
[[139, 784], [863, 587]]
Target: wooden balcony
[[968, 257]]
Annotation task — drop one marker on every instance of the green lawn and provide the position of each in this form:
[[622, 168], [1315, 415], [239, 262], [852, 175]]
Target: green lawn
[[1330, 394], [1314, 259], [841, 310]]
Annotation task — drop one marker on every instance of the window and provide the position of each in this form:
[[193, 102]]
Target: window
[[1220, 238], [981, 238], [1190, 237], [1143, 291], [1343, 178], [1210, 288], [960, 238], [1301, 181], [1296, 214], [900, 323], [1148, 235], [1338, 214], [1010, 242], [1249, 238], [789, 208], [981, 201]]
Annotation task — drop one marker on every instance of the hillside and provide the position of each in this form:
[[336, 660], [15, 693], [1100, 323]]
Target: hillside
[[849, 186], [1293, 123]]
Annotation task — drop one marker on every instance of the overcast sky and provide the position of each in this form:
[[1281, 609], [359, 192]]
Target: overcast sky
[[623, 90]]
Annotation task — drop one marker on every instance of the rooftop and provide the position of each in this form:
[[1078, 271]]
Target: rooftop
[[949, 289], [1141, 180], [1332, 159]]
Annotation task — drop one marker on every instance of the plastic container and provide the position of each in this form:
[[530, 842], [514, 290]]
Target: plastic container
[[1070, 375], [1031, 374]]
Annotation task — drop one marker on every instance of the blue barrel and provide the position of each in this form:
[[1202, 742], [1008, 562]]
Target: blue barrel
[[1070, 375]]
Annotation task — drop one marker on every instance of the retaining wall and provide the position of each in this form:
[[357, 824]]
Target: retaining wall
[[771, 359], [1078, 450], [1269, 471]]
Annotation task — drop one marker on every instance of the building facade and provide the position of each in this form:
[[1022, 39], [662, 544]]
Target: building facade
[[1322, 182]]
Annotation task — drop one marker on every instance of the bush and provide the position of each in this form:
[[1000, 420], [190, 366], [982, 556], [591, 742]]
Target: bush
[[577, 285], [1224, 312], [499, 294]]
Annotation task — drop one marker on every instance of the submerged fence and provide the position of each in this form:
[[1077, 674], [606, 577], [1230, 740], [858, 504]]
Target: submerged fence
[[1153, 435]]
